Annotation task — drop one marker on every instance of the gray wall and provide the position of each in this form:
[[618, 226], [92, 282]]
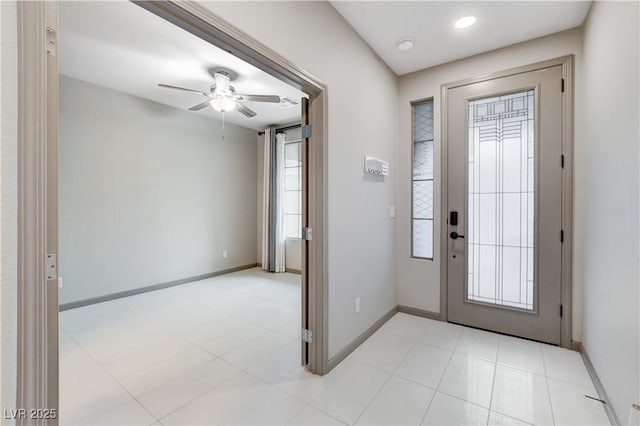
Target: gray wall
[[361, 250], [609, 119], [148, 193], [418, 280]]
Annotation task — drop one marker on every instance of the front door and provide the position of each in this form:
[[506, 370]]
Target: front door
[[505, 204]]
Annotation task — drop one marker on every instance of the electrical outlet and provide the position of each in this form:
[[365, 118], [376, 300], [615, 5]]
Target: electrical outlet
[[224, 254], [357, 305], [60, 282]]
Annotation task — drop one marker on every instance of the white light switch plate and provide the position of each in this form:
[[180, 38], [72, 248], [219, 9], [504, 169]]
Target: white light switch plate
[[392, 212]]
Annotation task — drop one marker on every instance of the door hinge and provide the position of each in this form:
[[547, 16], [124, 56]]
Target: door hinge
[[51, 267], [562, 236], [307, 234], [306, 335], [562, 86], [306, 131], [562, 161], [51, 41], [560, 311]]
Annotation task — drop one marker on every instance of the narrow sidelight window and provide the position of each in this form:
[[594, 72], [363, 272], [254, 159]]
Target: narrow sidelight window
[[422, 181]]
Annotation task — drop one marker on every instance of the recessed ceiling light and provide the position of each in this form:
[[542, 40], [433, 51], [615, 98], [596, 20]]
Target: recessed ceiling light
[[404, 44], [465, 22]]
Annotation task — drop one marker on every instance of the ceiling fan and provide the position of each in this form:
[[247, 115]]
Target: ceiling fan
[[223, 96]]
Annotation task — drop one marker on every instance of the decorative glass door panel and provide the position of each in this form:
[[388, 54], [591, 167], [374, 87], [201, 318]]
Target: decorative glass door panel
[[500, 210]]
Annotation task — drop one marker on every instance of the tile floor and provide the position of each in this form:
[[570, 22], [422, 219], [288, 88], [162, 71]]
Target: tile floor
[[225, 351]]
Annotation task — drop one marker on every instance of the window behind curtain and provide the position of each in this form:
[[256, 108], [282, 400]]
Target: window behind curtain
[[293, 189], [422, 181]]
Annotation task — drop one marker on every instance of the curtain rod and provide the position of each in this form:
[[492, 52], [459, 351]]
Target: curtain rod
[[295, 126]]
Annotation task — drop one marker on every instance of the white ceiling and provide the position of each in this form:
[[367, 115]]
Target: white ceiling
[[123, 47], [431, 24]]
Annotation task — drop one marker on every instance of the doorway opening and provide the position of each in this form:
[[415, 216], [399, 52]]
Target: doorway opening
[[165, 275], [41, 302]]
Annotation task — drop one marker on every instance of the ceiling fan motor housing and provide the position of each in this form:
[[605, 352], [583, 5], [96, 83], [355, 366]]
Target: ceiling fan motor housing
[[222, 86]]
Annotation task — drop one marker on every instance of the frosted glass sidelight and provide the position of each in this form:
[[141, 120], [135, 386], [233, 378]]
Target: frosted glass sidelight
[[422, 181], [423, 238], [423, 121], [423, 199], [501, 185], [423, 160]]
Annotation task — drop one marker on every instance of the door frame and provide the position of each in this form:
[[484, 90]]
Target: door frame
[[567, 184], [37, 312], [37, 307]]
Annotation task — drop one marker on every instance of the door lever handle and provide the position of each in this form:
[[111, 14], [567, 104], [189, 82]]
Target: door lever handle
[[454, 235]]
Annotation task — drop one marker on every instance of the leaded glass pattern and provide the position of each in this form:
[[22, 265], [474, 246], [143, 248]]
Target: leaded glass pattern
[[423, 121], [422, 185], [501, 185]]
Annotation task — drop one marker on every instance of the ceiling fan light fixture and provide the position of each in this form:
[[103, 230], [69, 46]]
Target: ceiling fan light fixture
[[222, 104]]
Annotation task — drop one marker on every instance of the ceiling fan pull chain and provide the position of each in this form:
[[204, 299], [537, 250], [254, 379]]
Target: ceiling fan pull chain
[[222, 126]]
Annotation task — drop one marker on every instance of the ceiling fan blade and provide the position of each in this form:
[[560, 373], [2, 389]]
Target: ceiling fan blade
[[260, 98], [168, 86], [199, 106], [244, 110]]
